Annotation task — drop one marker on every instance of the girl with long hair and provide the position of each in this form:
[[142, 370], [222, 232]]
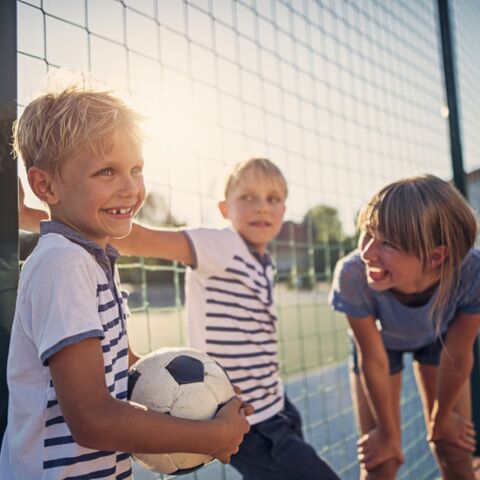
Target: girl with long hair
[[412, 286]]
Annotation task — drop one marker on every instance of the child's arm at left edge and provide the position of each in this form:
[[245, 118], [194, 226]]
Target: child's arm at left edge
[[453, 374], [29, 218]]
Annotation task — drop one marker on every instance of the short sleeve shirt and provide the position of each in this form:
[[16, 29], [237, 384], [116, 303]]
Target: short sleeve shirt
[[67, 293], [402, 327], [231, 315]]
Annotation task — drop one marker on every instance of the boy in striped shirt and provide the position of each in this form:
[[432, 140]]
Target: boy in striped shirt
[[69, 416], [231, 314]]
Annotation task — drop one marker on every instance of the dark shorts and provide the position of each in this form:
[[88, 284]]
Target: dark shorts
[[426, 355], [275, 450]]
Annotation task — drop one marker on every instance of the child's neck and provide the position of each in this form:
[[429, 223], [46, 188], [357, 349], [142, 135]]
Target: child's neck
[[416, 299]]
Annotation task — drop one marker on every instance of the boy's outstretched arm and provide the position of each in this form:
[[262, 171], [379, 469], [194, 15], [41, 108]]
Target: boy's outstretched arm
[[145, 241], [98, 420]]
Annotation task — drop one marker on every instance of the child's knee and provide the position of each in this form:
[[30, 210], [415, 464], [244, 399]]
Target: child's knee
[[385, 471], [455, 462]]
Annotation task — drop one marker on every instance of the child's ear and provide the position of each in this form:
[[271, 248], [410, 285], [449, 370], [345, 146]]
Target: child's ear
[[41, 183], [222, 206], [439, 255]]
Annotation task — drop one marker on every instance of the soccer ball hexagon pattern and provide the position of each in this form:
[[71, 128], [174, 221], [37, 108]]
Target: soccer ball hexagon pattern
[[182, 382]]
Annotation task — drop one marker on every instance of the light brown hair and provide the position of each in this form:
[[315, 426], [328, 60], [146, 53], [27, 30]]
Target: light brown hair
[[418, 214], [77, 121], [261, 167]]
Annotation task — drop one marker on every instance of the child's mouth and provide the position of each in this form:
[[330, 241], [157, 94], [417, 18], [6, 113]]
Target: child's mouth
[[376, 274], [120, 211], [260, 224]]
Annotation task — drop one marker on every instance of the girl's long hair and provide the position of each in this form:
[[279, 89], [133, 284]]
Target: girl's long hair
[[418, 214]]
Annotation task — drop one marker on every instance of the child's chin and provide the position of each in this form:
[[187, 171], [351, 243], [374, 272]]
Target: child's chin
[[120, 235], [378, 286]]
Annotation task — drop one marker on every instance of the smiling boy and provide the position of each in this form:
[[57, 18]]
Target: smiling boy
[[68, 415], [231, 314]]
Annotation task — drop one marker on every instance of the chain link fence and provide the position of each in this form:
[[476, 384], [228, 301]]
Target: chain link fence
[[344, 95]]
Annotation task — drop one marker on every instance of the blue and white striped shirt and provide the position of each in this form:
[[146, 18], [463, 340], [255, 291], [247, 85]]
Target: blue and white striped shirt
[[231, 315], [67, 293]]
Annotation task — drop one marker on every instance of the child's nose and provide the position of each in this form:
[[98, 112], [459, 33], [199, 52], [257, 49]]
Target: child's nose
[[129, 186], [261, 204]]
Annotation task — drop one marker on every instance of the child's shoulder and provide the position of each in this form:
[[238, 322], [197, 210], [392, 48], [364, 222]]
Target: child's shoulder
[[468, 290], [470, 269], [212, 232], [349, 275], [216, 249], [55, 253], [473, 256], [220, 241], [350, 265], [350, 292]]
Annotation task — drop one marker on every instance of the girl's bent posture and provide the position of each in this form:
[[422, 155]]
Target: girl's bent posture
[[413, 286]]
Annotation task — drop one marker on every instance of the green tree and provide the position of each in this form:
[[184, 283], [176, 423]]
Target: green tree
[[330, 242], [325, 224], [155, 211]]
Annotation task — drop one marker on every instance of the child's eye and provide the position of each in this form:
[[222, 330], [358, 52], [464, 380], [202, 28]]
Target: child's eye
[[106, 172], [247, 198], [388, 244], [274, 200], [137, 170]]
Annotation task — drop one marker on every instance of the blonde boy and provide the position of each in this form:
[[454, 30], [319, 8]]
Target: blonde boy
[[69, 356], [231, 314]]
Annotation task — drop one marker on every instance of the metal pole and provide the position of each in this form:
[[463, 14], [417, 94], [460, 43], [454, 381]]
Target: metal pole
[[8, 191], [451, 91], [448, 55]]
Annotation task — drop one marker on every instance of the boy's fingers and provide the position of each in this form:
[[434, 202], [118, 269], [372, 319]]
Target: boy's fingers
[[236, 402], [361, 441], [248, 409], [237, 389]]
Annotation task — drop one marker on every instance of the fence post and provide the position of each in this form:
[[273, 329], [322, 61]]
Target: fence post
[[448, 55], [8, 191]]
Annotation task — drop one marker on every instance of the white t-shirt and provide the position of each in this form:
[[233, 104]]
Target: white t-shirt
[[64, 297], [231, 315]]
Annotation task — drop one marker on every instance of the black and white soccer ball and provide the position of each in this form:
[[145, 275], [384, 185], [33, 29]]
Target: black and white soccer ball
[[182, 382]]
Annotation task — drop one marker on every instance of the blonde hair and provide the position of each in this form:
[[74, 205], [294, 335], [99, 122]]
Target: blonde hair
[[77, 121], [261, 167], [418, 214]]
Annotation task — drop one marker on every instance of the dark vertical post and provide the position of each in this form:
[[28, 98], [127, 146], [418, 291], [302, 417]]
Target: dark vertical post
[[451, 91], [458, 172], [8, 191]]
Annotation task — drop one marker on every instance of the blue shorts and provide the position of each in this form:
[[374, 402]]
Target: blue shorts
[[275, 450], [426, 355]]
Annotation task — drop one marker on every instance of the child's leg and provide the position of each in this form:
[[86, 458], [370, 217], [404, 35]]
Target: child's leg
[[455, 463], [276, 450], [366, 422]]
